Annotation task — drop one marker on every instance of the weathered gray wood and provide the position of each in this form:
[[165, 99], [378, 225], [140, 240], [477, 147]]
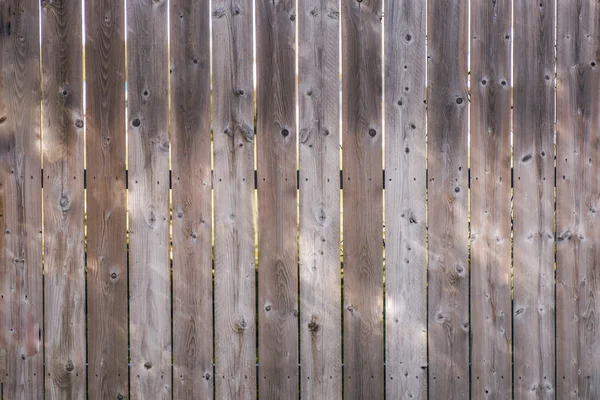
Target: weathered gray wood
[[491, 320], [233, 127], [533, 126], [405, 214], [320, 278], [447, 199], [21, 319], [363, 199], [107, 344], [192, 225], [277, 240], [62, 127], [148, 147], [578, 195]]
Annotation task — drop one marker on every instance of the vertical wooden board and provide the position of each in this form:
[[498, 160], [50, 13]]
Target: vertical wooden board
[[62, 127], [192, 225], [491, 320], [320, 278], [148, 147], [106, 201], [21, 356], [363, 199], [233, 127], [447, 200], [405, 211], [578, 196], [276, 153], [533, 126]]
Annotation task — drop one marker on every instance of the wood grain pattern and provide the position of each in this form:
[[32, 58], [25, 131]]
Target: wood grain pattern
[[235, 273], [533, 126], [491, 320], [106, 200], [363, 199], [148, 147], [277, 240], [320, 279], [62, 127], [192, 219], [447, 199], [578, 196], [21, 299], [405, 212]]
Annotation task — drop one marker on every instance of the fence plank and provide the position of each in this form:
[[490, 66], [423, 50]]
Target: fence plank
[[578, 233], [64, 281], [363, 199], [235, 273], [278, 269], [491, 320], [405, 218], [148, 141], [21, 318], [447, 204], [106, 201], [320, 279], [192, 219], [533, 119]]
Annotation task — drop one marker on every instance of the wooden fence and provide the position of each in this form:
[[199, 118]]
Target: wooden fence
[[175, 224]]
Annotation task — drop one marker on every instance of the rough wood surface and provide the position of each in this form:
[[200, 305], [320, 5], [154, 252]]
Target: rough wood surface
[[106, 201], [363, 199], [277, 239], [192, 219], [21, 346], [533, 126], [319, 147], [491, 320], [62, 127], [235, 273], [578, 188], [405, 214], [148, 147], [447, 200]]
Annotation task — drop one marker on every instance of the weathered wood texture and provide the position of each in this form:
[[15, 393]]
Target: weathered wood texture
[[363, 199], [148, 147], [235, 273], [319, 147], [106, 200], [491, 320], [405, 214], [447, 199], [578, 196], [64, 265], [277, 239], [21, 350], [192, 219], [533, 126]]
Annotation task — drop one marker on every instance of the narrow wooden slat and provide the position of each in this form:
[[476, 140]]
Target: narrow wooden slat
[[491, 320], [21, 353], [148, 148], [62, 127], [447, 199], [405, 214], [233, 127], [276, 154], [533, 126], [192, 225], [363, 199], [578, 196], [320, 279], [106, 201]]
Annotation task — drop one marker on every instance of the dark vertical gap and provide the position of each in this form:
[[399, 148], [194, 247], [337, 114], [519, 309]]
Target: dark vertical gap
[[383, 232], [469, 249], [555, 5], [42, 332], [512, 192]]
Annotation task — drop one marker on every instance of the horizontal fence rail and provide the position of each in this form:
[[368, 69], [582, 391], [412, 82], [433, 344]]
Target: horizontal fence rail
[[315, 199]]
